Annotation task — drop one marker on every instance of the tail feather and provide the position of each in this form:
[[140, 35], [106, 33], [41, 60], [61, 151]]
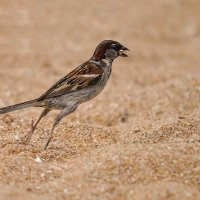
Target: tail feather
[[18, 106]]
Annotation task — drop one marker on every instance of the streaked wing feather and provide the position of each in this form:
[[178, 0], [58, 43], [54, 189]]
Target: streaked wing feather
[[83, 76]]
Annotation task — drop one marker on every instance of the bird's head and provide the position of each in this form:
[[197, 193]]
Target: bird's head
[[109, 49]]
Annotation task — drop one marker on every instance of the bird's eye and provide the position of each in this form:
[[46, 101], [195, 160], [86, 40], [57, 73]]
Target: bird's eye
[[115, 47]]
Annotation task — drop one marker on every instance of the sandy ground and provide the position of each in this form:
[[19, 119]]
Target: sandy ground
[[140, 138]]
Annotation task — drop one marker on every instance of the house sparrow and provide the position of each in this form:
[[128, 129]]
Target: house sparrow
[[82, 84]]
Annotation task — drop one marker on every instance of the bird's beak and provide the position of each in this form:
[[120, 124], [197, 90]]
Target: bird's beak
[[122, 50]]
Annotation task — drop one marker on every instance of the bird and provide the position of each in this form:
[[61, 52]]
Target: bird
[[81, 85]]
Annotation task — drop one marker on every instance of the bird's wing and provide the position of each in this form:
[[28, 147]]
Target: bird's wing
[[84, 76]]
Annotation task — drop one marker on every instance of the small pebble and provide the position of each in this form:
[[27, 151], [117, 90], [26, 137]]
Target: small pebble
[[65, 190], [38, 159], [16, 136]]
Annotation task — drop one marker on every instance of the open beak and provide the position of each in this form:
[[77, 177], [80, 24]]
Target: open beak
[[122, 52]]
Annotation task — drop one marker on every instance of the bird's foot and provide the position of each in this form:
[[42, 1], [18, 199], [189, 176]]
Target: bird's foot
[[26, 139], [47, 142]]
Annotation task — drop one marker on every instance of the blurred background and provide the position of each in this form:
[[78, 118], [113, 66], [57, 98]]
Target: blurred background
[[152, 96]]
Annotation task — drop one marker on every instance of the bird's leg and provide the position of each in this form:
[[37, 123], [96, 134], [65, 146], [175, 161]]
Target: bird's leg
[[62, 114], [27, 138]]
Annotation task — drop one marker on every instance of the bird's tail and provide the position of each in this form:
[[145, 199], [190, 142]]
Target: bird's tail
[[19, 106]]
